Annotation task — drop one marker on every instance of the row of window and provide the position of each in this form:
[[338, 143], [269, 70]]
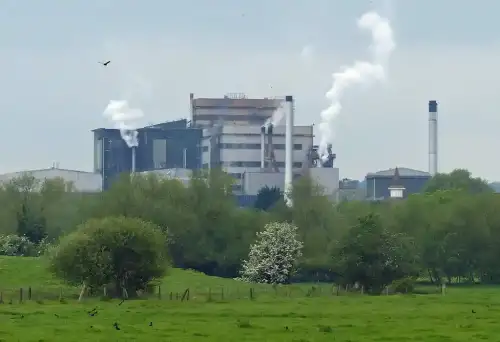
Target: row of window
[[245, 146], [296, 165], [256, 164]]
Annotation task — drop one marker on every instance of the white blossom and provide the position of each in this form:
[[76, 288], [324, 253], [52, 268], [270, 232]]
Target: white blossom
[[274, 256]]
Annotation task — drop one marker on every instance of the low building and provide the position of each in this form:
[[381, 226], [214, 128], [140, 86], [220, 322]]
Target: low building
[[82, 181], [378, 183]]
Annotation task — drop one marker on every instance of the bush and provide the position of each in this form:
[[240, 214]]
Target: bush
[[116, 252], [13, 245], [273, 258], [405, 285]]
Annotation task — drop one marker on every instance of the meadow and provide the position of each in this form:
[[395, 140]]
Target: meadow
[[224, 310]]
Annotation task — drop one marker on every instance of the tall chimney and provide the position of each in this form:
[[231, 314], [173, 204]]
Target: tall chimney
[[289, 149], [433, 138], [133, 158], [263, 147]]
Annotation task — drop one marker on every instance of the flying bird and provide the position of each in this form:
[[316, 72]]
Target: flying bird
[[105, 63]]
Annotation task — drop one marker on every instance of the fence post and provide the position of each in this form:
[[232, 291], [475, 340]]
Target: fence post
[[159, 291], [1, 297], [251, 293], [29, 293], [20, 295], [222, 293]]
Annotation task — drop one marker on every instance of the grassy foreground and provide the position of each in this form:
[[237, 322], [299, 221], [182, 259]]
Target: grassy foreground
[[463, 314]]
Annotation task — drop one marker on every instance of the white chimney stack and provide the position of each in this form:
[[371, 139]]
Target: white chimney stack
[[289, 149], [433, 138], [263, 147]]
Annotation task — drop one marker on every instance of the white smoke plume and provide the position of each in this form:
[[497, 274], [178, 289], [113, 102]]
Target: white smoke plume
[[277, 116], [124, 118], [361, 72]]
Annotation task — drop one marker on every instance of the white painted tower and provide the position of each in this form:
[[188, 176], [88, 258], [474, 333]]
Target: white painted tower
[[433, 138]]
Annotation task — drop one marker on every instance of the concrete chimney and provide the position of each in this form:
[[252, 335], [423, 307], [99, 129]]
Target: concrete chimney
[[289, 149], [133, 158], [263, 147], [433, 138]]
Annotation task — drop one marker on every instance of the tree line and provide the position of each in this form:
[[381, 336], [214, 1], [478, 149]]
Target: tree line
[[449, 232]]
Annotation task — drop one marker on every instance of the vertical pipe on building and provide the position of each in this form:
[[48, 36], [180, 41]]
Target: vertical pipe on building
[[289, 150], [184, 158], [133, 158], [263, 147], [433, 138]]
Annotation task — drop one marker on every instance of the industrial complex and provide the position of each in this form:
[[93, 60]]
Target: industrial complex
[[242, 136]]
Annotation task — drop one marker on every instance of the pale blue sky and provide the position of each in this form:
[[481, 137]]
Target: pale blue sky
[[53, 91]]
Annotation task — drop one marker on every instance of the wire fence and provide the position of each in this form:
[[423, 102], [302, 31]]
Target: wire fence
[[209, 294]]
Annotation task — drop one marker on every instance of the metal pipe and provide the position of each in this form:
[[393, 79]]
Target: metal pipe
[[184, 158], [133, 159], [289, 149], [263, 147], [433, 138]]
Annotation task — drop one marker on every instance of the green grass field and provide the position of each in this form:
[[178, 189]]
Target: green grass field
[[221, 310]]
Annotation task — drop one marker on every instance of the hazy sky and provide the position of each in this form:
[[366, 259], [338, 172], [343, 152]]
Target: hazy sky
[[53, 91]]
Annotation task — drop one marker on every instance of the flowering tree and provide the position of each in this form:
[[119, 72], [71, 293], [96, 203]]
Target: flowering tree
[[273, 258]]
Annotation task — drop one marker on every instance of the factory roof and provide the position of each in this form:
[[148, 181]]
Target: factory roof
[[403, 172], [236, 103]]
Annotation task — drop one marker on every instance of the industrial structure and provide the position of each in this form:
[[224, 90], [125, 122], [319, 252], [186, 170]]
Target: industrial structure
[[234, 133], [81, 181], [378, 184], [433, 138], [164, 146]]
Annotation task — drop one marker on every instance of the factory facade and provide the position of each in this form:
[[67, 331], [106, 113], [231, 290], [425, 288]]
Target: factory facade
[[229, 133], [163, 146], [378, 184]]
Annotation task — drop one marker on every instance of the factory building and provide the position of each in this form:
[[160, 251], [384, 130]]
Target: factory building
[[82, 181], [233, 108], [163, 146], [233, 133], [378, 184], [246, 150]]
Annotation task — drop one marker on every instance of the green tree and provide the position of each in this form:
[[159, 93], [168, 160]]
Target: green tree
[[459, 179], [124, 253], [267, 197], [375, 257]]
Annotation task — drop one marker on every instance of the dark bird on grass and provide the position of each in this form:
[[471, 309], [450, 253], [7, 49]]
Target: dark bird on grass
[[473, 311], [150, 324], [121, 302], [93, 312], [105, 63], [286, 328], [56, 315], [116, 326]]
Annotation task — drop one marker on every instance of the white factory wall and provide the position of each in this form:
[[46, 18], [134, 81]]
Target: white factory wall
[[83, 181], [328, 179], [254, 181], [234, 134]]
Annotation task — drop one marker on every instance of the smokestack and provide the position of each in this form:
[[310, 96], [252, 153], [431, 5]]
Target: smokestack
[[433, 138], [263, 147], [133, 159], [270, 144], [288, 149]]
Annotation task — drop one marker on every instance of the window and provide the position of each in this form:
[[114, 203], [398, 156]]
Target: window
[[241, 164], [245, 146], [159, 153]]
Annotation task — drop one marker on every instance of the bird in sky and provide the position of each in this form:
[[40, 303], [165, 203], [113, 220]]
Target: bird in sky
[[105, 63]]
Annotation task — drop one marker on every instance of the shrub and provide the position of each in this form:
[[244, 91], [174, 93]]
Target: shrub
[[13, 245], [273, 258], [117, 252]]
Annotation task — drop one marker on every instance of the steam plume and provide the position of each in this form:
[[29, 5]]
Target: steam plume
[[124, 118], [361, 72], [277, 116]]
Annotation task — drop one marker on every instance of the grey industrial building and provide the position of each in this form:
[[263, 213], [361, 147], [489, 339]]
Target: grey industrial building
[[167, 145], [378, 183]]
